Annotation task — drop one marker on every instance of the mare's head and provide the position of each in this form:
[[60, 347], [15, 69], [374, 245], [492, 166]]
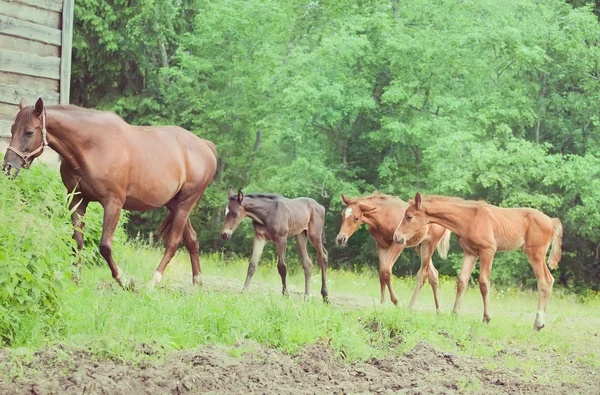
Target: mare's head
[[234, 213], [413, 221], [352, 217], [28, 138]]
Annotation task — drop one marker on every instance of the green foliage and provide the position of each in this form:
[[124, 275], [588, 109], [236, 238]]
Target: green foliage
[[480, 99], [36, 251]]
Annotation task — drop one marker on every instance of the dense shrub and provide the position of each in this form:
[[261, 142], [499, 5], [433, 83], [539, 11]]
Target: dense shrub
[[36, 251]]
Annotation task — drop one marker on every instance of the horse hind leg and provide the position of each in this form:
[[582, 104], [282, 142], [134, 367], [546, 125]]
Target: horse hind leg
[[316, 240], [545, 282], [463, 280], [302, 241], [190, 239], [281, 266], [172, 231]]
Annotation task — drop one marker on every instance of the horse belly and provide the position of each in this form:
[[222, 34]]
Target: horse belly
[[511, 244]]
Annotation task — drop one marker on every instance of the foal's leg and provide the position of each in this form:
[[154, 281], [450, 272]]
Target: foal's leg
[[79, 207], [316, 239], [426, 271], [181, 213], [259, 245], [385, 271], [281, 266], [112, 211], [302, 241], [545, 282], [486, 259], [463, 279], [382, 253]]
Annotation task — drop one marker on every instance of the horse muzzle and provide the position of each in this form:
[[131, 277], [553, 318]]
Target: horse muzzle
[[399, 239], [342, 240], [226, 235], [8, 168]]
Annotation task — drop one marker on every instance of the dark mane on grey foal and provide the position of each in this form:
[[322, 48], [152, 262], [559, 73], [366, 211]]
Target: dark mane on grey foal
[[268, 196]]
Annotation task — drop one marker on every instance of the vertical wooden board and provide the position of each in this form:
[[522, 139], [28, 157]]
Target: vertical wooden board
[[30, 14], [16, 44], [52, 5], [66, 50], [31, 31], [29, 82], [37, 66], [5, 125]]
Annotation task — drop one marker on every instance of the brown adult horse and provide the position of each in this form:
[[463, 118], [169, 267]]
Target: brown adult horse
[[482, 230], [275, 218], [382, 213], [106, 160]]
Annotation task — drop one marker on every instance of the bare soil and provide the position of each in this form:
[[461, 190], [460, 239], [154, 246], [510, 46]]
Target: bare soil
[[252, 368]]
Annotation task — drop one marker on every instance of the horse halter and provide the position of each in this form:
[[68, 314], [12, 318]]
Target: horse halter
[[27, 156]]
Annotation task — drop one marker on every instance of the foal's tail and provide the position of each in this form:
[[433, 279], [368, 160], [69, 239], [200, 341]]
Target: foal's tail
[[444, 244], [556, 251]]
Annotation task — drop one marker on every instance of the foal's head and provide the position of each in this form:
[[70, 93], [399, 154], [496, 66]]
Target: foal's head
[[413, 221], [234, 213], [352, 217], [27, 141]]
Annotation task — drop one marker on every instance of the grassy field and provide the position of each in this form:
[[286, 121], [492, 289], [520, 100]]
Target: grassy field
[[112, 323]]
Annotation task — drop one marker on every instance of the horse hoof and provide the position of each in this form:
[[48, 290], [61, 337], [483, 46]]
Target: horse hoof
[[537, 327], [197, 281], [326, 299]]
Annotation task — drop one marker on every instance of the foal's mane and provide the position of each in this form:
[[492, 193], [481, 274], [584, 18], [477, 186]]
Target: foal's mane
[[267, 196], [374, 196]]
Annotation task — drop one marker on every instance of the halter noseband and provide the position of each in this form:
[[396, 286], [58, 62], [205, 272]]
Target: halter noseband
[[26, 156]]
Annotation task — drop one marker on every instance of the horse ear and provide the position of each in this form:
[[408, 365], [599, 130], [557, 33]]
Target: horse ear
[[367, 209], [417, 200], [39, 107], [240, 196], [230, 192], [22, 104], [345, 199]]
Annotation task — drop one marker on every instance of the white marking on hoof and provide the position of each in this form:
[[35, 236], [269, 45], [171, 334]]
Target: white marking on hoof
[[348, 212], [155, 280], [197, 280]]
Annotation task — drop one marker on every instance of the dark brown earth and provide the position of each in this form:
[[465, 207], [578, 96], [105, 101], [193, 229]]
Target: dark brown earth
[[251, 368]]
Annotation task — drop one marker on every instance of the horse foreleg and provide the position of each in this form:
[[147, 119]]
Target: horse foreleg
[[422, 274], [79, 208], [172, 241], [485, 274], [463, 279], [257, 249], [393, 254], [112, 212], [281, 266], [302, 242]]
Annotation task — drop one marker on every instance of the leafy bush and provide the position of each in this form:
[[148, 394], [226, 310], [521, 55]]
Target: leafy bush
[[36, 251]]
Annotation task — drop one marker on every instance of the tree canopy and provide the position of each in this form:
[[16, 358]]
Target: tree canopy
[[478, 99]]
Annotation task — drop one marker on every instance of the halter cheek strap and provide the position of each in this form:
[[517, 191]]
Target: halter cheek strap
[[28, 157]]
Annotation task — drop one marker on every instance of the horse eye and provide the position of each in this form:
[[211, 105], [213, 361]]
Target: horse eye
[[408, 218], [29, 132], [235, 213], [355, 219]]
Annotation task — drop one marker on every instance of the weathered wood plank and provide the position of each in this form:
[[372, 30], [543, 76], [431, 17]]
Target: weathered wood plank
[[15, 44], [30, 14], [8, 111], [52, 5], [65, 62], [12, 94], [32, 31], [5, 125], [29, 82], [37, 66]]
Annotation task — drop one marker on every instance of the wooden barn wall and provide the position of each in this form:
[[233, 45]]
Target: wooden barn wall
[[35, 57]]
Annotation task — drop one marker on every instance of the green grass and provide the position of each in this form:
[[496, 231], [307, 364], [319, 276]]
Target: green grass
[[112, 323]]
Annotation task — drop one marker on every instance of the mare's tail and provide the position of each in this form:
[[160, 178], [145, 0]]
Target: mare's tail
[[556, 251], [444, 244]]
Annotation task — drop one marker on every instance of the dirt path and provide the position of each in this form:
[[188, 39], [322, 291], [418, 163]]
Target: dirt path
[[218, 370]]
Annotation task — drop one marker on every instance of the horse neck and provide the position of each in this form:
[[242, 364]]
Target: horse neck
[[65, 135], [453, 216], [256, 208]]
